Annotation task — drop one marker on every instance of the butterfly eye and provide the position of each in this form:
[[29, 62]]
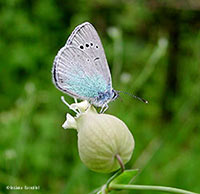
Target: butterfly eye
[[87, 45], [81, 47]]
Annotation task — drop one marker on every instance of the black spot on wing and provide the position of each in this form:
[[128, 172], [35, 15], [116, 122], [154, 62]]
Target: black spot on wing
[[97, 58]]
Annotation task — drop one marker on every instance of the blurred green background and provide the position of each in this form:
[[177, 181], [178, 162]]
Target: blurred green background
[[153, 50]]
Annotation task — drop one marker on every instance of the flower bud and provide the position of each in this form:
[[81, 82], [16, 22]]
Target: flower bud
[[102, 137]]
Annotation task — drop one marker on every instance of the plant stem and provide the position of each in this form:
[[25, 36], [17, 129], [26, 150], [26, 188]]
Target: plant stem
[[118, 172], [120, 162], [112, 178], [150, 188]]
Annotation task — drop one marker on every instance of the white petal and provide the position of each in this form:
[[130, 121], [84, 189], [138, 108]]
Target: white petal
[[70, 122]]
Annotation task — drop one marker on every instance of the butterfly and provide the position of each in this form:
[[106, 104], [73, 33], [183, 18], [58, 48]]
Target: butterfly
[[80, 68]]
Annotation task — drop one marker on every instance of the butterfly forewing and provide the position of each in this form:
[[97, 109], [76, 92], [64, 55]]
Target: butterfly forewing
[[86, 39]]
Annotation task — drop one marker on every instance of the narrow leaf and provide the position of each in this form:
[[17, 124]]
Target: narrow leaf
[[125, 177]]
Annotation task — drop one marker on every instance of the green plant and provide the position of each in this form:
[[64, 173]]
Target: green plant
[[105, 145]]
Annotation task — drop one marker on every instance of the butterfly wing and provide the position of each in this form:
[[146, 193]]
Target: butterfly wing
[[80, 68], [85, 37], [74, 73]]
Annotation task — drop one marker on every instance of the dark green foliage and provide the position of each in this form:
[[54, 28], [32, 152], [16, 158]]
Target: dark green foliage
[[155, 55]]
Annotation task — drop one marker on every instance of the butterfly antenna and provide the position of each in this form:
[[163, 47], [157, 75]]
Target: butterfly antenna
[[140, 99], [121, 99]]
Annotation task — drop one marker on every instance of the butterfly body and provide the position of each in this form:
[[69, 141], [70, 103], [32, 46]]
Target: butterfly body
[[104, 98], [81, 70]]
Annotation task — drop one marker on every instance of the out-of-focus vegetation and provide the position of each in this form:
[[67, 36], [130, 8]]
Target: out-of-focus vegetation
[[153, 49]]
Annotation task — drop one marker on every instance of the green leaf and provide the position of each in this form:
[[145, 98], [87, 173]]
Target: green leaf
[[125, 177]]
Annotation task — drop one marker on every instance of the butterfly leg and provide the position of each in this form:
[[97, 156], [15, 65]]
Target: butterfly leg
[[104, 108]]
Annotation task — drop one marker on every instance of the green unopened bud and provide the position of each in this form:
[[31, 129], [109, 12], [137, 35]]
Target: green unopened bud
[[102, 138]]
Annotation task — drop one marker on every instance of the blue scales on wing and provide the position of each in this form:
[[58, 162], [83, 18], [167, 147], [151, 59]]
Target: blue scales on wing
[[75, 74], [80, 68]]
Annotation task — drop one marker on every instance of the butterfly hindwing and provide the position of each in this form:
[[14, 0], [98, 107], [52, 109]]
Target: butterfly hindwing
[[74, 73]]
